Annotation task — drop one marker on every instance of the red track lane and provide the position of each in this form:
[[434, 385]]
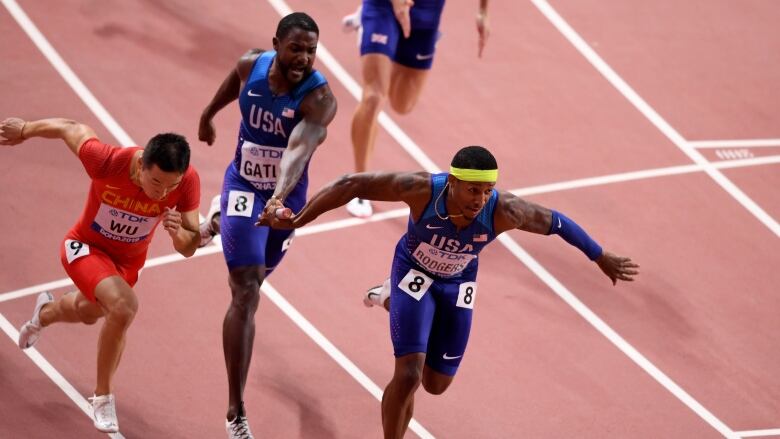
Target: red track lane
[[705, 65], [702, 310]]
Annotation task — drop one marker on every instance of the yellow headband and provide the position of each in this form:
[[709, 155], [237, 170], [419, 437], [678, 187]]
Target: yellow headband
[[475, 175]]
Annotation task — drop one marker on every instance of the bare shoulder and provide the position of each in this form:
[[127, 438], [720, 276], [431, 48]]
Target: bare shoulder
[[246, 62], [319, 105], [413, 181], [415, 188]]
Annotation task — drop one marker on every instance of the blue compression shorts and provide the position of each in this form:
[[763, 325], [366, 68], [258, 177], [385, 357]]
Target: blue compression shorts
[[243, 243], [428, 315], [381, 33]]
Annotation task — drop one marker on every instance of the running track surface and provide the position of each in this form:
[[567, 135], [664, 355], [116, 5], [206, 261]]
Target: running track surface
[[566, 91]]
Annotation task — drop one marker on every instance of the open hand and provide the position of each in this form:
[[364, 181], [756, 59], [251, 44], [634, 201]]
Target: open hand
[[483, 28], [617, 267], [401, 10]]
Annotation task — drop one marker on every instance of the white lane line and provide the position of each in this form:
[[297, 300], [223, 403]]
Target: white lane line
[[67, 74], [553, 283], [400, 213], [624, 346], [333, 351], [759, 433], [51, 372], [633, 97], [746, 143], [102, 114]]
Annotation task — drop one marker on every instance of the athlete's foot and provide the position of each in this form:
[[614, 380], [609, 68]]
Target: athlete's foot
[[376, 296], [360, 208], [31, 331], [104, 413], [351, 22], [238, 428], [207, 232]]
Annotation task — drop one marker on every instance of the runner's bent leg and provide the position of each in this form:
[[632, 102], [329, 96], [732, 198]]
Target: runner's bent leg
[[120, 304]]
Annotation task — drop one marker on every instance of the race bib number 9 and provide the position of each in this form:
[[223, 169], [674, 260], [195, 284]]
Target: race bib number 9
[[260, 164], [240, 203], [415, 284], [75, 250]]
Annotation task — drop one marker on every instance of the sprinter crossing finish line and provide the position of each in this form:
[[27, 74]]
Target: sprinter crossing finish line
[[432, 288]]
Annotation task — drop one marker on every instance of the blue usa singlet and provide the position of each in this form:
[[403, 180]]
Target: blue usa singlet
[[266, 123]]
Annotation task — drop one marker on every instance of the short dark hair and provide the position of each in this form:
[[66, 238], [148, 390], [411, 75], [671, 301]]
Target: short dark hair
[[169, 151], [301, 20], [474, 157]]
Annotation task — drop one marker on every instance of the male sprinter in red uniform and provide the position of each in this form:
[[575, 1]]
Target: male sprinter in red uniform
[[132, 190]]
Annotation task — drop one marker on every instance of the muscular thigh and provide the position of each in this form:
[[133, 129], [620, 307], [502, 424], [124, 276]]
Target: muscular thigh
[[451, 325], [88, 265], [244, 243], [412, 308]]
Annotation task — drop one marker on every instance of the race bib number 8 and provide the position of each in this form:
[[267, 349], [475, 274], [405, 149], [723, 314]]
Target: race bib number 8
[[415, 284], [240, 203], [75, 250], [467, 294]]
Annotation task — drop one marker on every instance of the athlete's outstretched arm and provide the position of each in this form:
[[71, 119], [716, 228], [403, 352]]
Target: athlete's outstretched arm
[[318, 109], [228, 92], [412, 188], [515, 213], [14, 131]]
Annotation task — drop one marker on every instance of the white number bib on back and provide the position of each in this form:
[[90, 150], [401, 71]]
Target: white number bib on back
[[440, 262], [260, 164], [121, 225]]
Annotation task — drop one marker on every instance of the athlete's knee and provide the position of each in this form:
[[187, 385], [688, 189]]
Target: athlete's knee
[[408, 377], [435, 384], [245, 289], [373, 97], [401, 105], [123, 311], [88, 312]]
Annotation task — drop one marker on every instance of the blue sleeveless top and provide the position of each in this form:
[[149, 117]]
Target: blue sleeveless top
[[437, 247], [266, 123]]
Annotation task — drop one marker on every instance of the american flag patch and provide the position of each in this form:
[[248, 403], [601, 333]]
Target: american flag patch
[[480, 238], [288, 112], [378, 38]]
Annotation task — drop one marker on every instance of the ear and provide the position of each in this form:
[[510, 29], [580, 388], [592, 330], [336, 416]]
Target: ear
[[275, 43]]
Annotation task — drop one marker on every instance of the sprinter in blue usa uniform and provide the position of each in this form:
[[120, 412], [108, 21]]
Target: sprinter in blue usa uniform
[[286, 107], [432, 287], [397, 49]]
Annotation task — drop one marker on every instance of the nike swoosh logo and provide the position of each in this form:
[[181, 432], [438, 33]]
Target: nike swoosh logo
[[372, 294], [559, 223], [430, 227], [447, 357], [424, 57], [249, 93]]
